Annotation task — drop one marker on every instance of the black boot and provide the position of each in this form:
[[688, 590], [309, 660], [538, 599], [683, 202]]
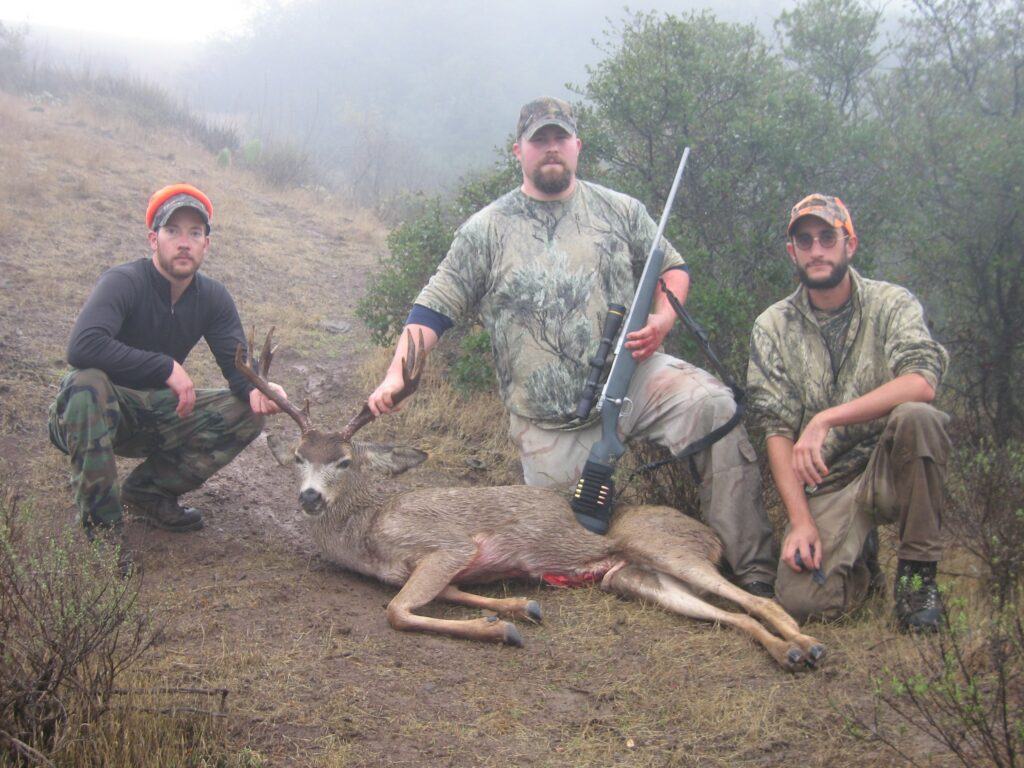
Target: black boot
[[918, 602], [163, 512]]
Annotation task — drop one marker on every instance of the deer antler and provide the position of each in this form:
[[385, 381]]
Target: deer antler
[[412, 367], [248, 364]]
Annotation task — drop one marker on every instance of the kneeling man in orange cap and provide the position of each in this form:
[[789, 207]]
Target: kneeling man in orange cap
[[128, 392]]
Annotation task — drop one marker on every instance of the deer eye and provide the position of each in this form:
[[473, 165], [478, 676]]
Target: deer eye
[[298, 459], [343, 463]]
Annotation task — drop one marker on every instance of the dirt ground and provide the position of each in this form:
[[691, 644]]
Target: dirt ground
[[316, 677]]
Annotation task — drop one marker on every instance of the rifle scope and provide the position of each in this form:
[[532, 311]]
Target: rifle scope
[[612, 322]]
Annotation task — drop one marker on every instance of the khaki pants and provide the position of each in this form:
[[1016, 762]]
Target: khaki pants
[[902, 484], [673, 404]]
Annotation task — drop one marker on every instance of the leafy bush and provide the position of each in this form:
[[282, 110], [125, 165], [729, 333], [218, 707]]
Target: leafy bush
[[986, 516], [283, 165], [70, 627], [415, 248], [963, 687]]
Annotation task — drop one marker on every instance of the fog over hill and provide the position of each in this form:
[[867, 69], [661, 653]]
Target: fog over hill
[[438, 85], [385, 95]]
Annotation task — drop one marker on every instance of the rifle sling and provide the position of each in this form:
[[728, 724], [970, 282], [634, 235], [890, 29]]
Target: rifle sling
[[738, 394]]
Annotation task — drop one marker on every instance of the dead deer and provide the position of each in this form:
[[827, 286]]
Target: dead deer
[[430, 542]]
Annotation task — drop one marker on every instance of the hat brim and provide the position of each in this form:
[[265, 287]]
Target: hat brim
[[165, 211], [531, 130]]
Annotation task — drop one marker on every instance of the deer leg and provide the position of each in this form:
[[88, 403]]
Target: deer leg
[[431, 576], [520, 607], [674, 596], [708, 579]]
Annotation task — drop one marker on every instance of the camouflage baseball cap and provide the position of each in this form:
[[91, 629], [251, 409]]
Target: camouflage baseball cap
[[829, 209], [546, 110]]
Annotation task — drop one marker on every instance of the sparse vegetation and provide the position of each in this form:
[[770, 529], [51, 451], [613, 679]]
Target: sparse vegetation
[[70, 631]]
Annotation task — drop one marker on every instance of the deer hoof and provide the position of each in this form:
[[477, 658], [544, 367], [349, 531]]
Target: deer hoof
[[533, 612], [794, 656], [815, 655], [512, 636]]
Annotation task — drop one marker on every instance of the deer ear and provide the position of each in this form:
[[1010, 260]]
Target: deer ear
[[283, 452], [394, 459]]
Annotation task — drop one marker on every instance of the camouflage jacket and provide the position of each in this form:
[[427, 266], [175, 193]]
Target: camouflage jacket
[[540, 276], [790, 379]]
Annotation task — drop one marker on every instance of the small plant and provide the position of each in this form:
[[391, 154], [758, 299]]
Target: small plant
[[252, 151], [224, 158]]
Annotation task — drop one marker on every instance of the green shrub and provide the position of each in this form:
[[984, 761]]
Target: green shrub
[[415, 248]]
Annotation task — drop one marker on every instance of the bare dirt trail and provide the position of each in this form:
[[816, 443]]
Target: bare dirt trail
[[315, 675]]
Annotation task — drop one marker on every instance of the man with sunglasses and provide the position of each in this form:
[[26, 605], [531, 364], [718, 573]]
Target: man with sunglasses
[[840, 377], [128, 392]]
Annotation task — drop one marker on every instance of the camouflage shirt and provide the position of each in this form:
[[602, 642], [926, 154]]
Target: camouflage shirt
[[540, 276], [790, 376]]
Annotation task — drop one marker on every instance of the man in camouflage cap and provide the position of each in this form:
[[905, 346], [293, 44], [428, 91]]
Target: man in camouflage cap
[[129, 394], [539, 267], [840, 376]]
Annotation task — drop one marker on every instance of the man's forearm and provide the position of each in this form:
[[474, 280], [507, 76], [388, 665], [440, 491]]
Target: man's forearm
[[879, 402], [791, 490]]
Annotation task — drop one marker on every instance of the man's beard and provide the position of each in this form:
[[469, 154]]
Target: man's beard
[[178, 271], [550, 181], [825, 283]]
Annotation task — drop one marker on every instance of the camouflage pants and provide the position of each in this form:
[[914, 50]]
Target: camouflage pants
[[673, 404], [902, 484], [92, 420]]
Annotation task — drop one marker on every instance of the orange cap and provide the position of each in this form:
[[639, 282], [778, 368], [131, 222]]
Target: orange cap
[[166, 201]]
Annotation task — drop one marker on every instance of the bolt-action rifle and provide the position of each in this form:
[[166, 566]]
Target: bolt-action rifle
[[592, 499]]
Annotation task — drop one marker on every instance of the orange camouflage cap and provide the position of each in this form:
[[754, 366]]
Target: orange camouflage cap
[[166, 201], [829, 209]]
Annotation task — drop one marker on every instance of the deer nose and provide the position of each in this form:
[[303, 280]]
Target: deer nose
[[310, 499]]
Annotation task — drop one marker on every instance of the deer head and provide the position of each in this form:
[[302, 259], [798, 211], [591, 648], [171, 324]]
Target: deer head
[[328, 463]]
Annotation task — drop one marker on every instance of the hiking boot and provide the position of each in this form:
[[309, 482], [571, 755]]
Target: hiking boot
[[918, 603], [760, 589], [165, 513]]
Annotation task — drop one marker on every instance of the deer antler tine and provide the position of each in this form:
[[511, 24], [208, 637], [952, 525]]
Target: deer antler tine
[[305, 408], [421, 356], [247, 366], [250, 349], [267, 354], [409, 363]]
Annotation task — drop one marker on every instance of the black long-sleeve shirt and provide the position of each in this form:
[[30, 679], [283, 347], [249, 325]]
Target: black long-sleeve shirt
[[129, 329]]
